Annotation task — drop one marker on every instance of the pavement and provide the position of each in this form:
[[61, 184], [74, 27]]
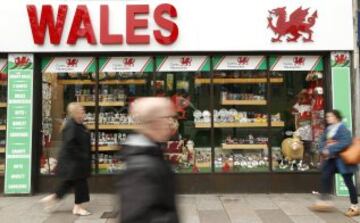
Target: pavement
[[214, 208]]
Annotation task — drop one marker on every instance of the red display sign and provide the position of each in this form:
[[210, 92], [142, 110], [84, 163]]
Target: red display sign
[[82, 25]]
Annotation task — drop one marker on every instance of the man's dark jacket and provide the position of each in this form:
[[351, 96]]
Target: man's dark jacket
[[146, 185], [74, 160]]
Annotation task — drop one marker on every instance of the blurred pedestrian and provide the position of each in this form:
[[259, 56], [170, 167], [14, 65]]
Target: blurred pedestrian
[[335, 139], [146, 186], [74, 162]]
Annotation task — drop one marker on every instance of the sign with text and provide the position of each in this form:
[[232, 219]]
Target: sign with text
[[19, 124]]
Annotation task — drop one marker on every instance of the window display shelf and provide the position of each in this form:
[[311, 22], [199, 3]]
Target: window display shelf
[[76, 82], [243, 102], [125, 82], [109, 82], [107, 148], [2, 149], [103, 103], [238, 80], [3, 104], [102, 166], [277, 124], [239, 125], [231, 125], [114, 127], [244, 146], [2, 127]]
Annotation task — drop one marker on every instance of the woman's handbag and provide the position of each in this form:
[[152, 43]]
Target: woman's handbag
[[351, 155]]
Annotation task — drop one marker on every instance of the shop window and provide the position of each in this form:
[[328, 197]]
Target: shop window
[[299, 101], [241, 114], [177, 77], [245, 111], [3, 106]]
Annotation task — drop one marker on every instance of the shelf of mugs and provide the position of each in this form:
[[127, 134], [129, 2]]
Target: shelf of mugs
[[110, 121], [3, 104], [109, 82], [229, 98], [103, 103], [248, 143], [274, 80], [232, 118]]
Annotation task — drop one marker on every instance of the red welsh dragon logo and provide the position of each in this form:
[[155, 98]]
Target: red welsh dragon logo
[[299, 61], [341, 59], [72, 62], [243, 60], [21, 61], [129, 61], [298, 24], [186, 61]]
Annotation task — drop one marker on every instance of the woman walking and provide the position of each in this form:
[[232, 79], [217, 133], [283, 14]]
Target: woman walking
[[74, 165], [335, 139]]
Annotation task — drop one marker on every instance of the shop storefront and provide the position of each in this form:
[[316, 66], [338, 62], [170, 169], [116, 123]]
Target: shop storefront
[[250, 83]]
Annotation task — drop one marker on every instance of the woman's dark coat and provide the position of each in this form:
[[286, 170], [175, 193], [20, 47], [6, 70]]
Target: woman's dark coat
[[74, 160]]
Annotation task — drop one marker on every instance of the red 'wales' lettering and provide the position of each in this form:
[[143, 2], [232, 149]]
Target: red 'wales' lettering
[[132, 24], [81, 17], [166, 24], [47, 20], [105, 37]]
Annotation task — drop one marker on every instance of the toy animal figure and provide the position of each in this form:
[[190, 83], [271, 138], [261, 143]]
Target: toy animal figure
[[293, 148], [181, 104]]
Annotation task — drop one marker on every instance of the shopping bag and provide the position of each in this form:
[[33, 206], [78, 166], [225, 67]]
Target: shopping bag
[[351, 155]]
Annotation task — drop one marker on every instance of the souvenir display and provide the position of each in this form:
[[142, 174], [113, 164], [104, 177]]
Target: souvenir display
[[109, 118], [106, 95], [250, 139], [241, 96], [231, 116], [109, 139]]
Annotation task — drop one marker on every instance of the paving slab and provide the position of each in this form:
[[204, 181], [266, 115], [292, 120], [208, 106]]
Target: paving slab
[[272, 216], [213, 216]]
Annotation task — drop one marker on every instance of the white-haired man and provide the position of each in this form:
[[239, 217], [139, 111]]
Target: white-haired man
[[146, 186]]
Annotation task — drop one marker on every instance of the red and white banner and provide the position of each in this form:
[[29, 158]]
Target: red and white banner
[[295, 63], [125, 64], [240, 63], [68, 65], [182, 63]]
